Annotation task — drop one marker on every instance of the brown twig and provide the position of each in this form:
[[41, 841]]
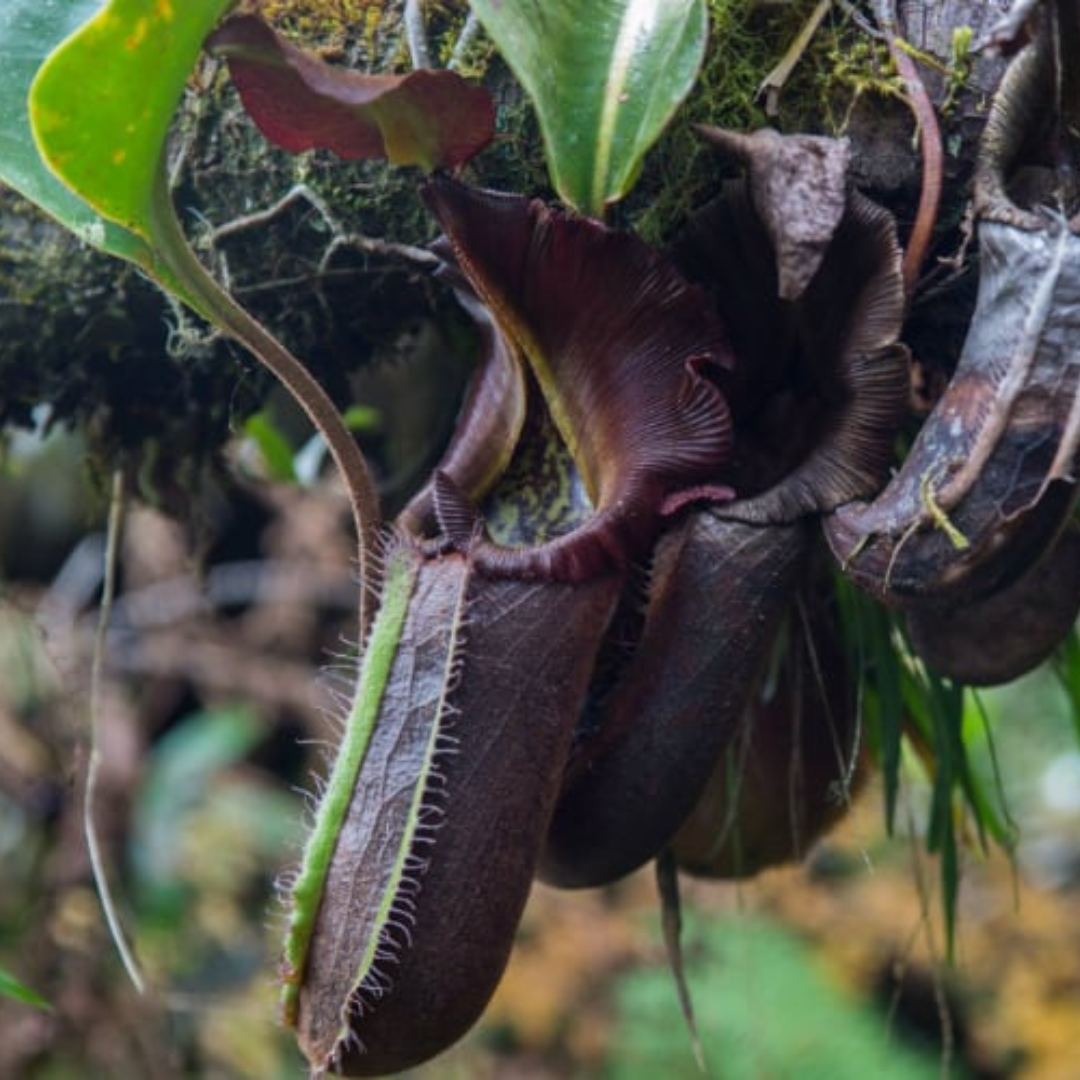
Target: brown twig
[[929, 146], [218, 306], [776, 79]]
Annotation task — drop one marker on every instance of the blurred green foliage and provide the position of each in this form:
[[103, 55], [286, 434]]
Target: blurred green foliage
[[766, 1007], [12, 988]]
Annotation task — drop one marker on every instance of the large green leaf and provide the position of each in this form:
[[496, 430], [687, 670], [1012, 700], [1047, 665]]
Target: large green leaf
[[605, 78], [29, 31], [100, 110]]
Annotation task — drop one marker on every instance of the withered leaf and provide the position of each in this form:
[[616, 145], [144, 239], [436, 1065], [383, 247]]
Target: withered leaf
[[434, 119], [989, 479], [798, 184]]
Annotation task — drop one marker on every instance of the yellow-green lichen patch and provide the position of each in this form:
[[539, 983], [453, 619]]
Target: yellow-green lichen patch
[[358, 31]]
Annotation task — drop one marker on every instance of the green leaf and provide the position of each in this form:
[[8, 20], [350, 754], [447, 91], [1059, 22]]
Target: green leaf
[[12, 988], [183, 765], [986, 792], [362, 418], [604, 83], [277, 454], [101, 126], [867, 632], [1067, 667], [29, 31]]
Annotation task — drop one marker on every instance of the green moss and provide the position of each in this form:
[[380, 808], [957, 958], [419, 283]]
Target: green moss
[[361, 32], [85, 336], [785, 1015], [853, 69], [747, 40], [681, 171]]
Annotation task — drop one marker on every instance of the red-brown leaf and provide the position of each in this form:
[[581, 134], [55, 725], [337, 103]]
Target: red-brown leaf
[[299, 102]]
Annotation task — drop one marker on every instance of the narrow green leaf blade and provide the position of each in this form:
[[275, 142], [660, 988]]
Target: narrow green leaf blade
[[12, 988], [604, 85], [277, 454], [29, 31], [1067, 667]]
